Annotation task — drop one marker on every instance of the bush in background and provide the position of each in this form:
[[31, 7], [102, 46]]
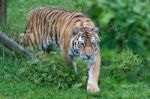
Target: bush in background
[[122, 22], [123, 65]]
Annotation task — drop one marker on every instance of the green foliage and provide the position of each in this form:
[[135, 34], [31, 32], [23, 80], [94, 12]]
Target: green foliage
[[54, 73], [122, 22], [121, 72], [48, 72], [123, 65], [124, 74]]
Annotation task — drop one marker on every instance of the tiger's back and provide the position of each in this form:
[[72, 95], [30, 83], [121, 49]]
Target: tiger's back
[[48, 26]]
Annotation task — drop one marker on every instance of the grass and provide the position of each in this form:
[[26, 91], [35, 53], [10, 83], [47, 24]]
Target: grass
[[26, 90], [124, 75]]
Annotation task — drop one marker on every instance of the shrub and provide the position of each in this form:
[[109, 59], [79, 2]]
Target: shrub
[[122, 65], [122, 22], [50, 71]]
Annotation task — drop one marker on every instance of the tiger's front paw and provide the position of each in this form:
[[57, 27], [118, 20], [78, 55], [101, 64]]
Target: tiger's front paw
[[92, 88]]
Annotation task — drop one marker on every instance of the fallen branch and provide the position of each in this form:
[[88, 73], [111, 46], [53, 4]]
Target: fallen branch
[[12, 44], [5, 49]]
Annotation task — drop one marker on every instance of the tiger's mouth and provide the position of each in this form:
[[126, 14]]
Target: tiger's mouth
[[86, 57]]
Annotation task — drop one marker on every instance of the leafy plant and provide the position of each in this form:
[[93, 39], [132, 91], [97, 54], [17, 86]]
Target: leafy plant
[[123, 23], [123, 65]]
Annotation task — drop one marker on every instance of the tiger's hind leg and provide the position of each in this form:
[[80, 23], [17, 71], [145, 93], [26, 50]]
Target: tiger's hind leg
[[24, 39], [49, 46]]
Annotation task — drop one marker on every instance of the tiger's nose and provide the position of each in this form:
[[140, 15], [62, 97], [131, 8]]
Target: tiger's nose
[[88, 56]]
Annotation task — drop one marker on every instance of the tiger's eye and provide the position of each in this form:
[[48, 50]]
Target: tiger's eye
[[93, 42], [82, 43]]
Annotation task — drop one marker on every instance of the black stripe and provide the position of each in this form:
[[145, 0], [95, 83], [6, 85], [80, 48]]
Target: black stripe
[[46, 24], [42, 25], [37, 21], [52, 24], [55, 24], [31, 41], [62, 19], [71, 18], [53, 13], [33, 27]]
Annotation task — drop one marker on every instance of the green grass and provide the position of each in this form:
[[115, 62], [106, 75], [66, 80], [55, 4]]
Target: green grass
[[124, 75], [27, 90]]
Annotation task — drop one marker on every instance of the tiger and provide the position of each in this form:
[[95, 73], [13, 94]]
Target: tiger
[[72, 32]]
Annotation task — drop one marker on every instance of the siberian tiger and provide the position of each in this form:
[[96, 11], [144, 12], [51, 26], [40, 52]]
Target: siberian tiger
[[73, 32]]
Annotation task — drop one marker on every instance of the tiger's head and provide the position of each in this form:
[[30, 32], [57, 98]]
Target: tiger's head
[[85, 43]]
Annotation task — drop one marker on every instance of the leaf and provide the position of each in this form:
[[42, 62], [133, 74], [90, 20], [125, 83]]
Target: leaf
[[105, 18], [77, 86], [137, 8]]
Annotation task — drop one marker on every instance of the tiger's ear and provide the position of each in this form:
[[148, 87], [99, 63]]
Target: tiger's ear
[[75, 31], [96, 29]]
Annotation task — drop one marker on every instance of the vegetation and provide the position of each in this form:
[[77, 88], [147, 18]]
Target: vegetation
[[123, 23], [124, 51]]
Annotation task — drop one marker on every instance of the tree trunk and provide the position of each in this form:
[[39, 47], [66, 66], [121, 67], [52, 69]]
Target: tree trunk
[[3, 11], [13, 45]]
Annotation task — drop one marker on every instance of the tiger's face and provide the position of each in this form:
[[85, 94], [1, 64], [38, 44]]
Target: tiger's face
[[86, 44]]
